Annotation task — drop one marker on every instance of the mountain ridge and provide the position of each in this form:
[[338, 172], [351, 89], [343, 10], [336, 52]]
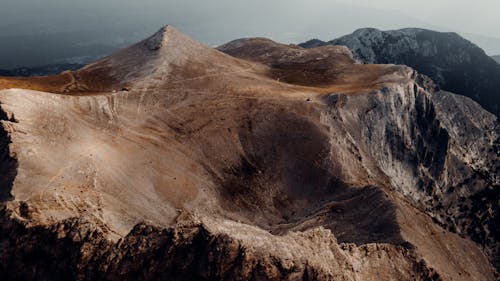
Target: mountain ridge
[[246, 156], [454, 63]]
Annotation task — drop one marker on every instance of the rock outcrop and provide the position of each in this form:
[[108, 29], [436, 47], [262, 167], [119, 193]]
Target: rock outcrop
[[439, 150], [195, 250]]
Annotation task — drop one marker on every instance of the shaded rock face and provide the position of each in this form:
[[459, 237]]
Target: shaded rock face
[[283, 181], [454, 63], [311, 194], [8, 164], [438, 150], [190, 251]]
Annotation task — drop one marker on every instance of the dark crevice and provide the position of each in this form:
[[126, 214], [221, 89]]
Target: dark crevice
[[8, 164]]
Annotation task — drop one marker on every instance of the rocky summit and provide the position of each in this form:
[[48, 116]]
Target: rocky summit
[[252, 161]]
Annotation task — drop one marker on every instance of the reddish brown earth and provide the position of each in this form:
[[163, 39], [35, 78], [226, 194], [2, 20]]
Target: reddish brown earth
[[255, 161]]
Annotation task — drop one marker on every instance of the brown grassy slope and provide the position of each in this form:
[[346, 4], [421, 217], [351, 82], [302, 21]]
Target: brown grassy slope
[[328, 68]]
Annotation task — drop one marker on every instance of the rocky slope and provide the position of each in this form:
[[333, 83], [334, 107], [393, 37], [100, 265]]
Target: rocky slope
[[438, 149], [454, 63], [263, 161], [196, 250]]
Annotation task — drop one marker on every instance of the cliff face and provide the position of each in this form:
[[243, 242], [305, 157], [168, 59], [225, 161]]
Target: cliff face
[[260, 162], [437, 149], [454, 63]]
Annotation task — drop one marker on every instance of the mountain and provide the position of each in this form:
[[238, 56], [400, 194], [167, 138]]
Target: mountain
[[496, 58], [253, 161], [39, 71], [454, 63]]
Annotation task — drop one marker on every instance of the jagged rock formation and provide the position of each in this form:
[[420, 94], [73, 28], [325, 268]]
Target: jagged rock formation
[[454, 63], [272, 163], [444, 161], [196, 250]]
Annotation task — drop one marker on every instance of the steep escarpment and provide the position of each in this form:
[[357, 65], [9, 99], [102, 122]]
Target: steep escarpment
[[454, 63], [437, 149]]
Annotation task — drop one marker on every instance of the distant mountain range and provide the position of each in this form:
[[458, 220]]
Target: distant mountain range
[[454, 63], [497, 58], [39, 71]]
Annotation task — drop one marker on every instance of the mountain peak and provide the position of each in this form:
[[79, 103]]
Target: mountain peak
[[158, 40], [155, 55], [167, 35]]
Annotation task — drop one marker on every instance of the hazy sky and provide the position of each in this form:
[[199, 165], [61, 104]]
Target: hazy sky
[[479, 16], [120, 22], [472, 16]]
